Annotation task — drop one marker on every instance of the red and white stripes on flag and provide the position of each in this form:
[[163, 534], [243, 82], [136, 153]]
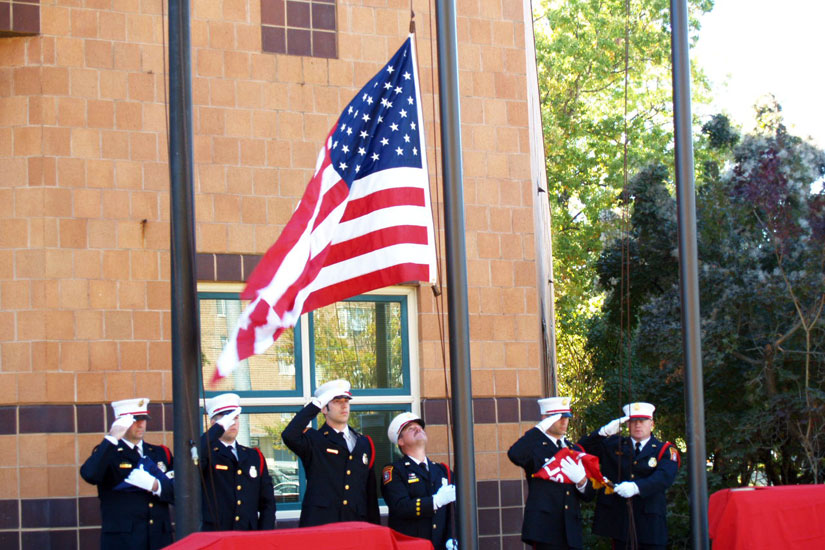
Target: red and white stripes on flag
[[364, 222]]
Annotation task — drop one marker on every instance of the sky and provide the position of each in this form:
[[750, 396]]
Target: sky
[[749, 48]]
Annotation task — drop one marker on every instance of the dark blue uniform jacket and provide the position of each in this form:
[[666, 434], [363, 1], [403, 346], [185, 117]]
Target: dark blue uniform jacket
[[552, 513], [650, 471], [237, 494], [341, 486], [408, 490], [132, 520]]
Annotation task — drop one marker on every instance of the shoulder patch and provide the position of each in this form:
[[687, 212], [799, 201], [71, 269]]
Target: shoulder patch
[[387, 474]]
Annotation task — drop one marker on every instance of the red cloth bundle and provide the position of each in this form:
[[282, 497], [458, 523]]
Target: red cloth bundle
[[551, 471]]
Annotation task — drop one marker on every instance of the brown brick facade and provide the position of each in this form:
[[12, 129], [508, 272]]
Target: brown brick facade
[[84, 219]]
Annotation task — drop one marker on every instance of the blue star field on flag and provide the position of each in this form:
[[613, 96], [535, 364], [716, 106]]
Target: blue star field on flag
[[379, 129]]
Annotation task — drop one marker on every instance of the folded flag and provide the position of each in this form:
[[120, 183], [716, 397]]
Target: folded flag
[[551, 470]]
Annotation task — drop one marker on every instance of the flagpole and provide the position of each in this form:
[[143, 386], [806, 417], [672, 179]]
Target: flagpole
[[458, 316], [185, 323], [689, 277]]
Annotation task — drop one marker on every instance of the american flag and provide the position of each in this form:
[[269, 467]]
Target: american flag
[[363, 223]]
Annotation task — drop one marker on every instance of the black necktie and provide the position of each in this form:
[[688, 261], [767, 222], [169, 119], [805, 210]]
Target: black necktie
[[638, 448]]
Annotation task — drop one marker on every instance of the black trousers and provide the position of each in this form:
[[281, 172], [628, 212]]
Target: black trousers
[[622, 545], [561, 545]]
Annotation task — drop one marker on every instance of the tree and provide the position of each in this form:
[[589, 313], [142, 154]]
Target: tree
[[581, 47], [761, 225]]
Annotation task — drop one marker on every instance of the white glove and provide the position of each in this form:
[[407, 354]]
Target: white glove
[[613, 427], [323, 400], [452, 544], [573, 470], [444, 496], [121, 425], [626, 489], [228, 419], [143, 479], [545, 423]]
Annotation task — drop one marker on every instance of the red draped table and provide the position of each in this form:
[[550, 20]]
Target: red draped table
[[340, 536], [756, 518]]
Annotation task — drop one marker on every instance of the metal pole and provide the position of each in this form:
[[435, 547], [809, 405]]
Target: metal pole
[[459, 321], [689, 277], [185, 322]]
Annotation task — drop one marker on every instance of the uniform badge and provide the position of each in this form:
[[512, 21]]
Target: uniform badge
[[412, 478], [332, 451], [221, 467], [364, 459], [126, 465], [253, 472], [161, 466], [652, 462], [387, 474]]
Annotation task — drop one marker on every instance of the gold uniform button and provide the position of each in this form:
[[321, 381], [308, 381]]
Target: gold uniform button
[[151, 521], [345, 502], [346, 487], [238, 487], [435, 526], [237, 518], [350, 457], [348, 472], [151, 505], [240, 471], [567, 493], [565, 507], [239, 503]]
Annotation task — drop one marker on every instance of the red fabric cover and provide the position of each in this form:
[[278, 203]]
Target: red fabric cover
[[353, 535], [756, 518], [552, 470]]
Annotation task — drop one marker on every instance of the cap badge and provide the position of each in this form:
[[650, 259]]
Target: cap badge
[[364, 459], [636, 407], [564, 402], [140, 403], [253, 472], [652, 462]]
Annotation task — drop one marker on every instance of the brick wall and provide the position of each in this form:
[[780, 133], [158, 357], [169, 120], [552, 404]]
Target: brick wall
[[84, 210]]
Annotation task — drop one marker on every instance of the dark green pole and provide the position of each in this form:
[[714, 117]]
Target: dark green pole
[[185, 322], [689, 277], [459, 320]]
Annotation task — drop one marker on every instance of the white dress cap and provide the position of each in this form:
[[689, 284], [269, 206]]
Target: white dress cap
[[555, 405], [341, 385], [399, 422], [222, 403], [639, 410], [138, 406]]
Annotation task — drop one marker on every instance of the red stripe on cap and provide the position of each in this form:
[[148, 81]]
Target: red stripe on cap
[[134, 413], [224, 408], [554, 411]]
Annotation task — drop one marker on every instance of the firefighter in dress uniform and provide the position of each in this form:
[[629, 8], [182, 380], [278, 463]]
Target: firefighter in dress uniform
[[238, 494], [552, 517], [417, 490], [134, 482], [338, 461], [643, 468]]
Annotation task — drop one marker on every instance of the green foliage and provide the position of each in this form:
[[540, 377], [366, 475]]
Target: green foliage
[[761, 225], [580, 48]]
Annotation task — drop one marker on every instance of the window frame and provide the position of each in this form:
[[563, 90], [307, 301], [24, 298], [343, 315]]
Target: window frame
[[407, 398]]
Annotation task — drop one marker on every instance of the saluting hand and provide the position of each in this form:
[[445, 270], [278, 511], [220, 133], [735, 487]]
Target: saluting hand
[[613, 427], [121, 425]]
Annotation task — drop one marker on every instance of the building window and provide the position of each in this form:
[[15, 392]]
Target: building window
[[368, 339], [299, 27], [19, 17]]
